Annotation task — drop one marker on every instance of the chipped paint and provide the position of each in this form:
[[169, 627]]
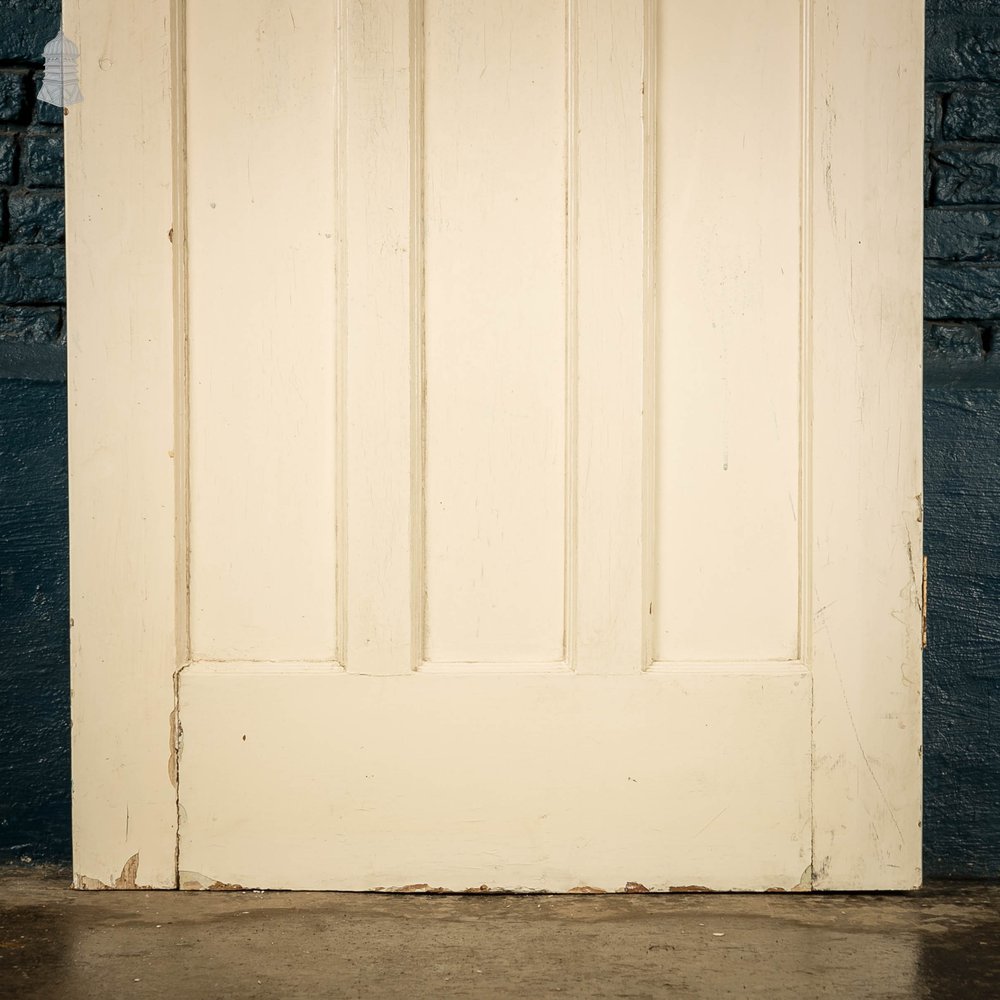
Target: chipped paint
[[196, 882], [923, 606], [172, 754], [87, 882], [806, 880], [126, 880], [129, 871]]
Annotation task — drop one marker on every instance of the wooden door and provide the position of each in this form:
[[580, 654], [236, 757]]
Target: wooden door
[[496, 444]]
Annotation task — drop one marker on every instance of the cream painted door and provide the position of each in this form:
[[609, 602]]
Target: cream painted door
[[521, 486]]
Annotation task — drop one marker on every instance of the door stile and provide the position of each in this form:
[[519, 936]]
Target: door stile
[[340, 321], [865, 630], [125, 351], [647, 487], [572, 455], [806, 550], [182, 422], [418, 382]]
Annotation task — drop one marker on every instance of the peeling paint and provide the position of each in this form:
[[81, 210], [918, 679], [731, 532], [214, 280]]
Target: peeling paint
[[129, 871], [196, 882], [86, 882], [635, 887], [127, 879], [690, 888], [587, 890], [172, 756], [923, 606], [475, 890]]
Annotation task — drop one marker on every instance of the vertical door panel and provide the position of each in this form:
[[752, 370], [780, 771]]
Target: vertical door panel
[[495, 328], [729, 218], [261, 206]]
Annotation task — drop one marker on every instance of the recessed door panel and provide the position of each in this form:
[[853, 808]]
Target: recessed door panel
[[262, 330], [730, 161], [495, 331]]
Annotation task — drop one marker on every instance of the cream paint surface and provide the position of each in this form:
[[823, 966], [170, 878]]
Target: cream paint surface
[[495, 188], [127, 635], [465, 569], [527, 783], [262, 330], [865, 486], [729, 218]]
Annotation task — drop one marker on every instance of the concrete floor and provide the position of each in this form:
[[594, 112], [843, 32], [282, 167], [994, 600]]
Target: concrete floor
[[940, 943]]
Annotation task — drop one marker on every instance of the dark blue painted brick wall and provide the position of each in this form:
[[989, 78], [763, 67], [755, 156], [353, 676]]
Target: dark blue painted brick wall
[[32, 217], [34, 641], [962, 451], [34, 634], [962, 439]]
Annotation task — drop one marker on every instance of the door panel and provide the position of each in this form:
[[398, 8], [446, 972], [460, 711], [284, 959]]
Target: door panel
[[728, 352], [262, 331], [495, 335], [465, 781]]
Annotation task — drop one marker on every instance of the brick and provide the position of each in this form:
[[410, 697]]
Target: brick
[[42, 160], [964, 46], [952, 8], [949, 234], [37, 216], [30, 324], [966, 176], [15, 99], [25, 27], [44, 113], [954, 342], [972, 115], [32, 274], [932, 105], [8, 158], [962, 291]]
